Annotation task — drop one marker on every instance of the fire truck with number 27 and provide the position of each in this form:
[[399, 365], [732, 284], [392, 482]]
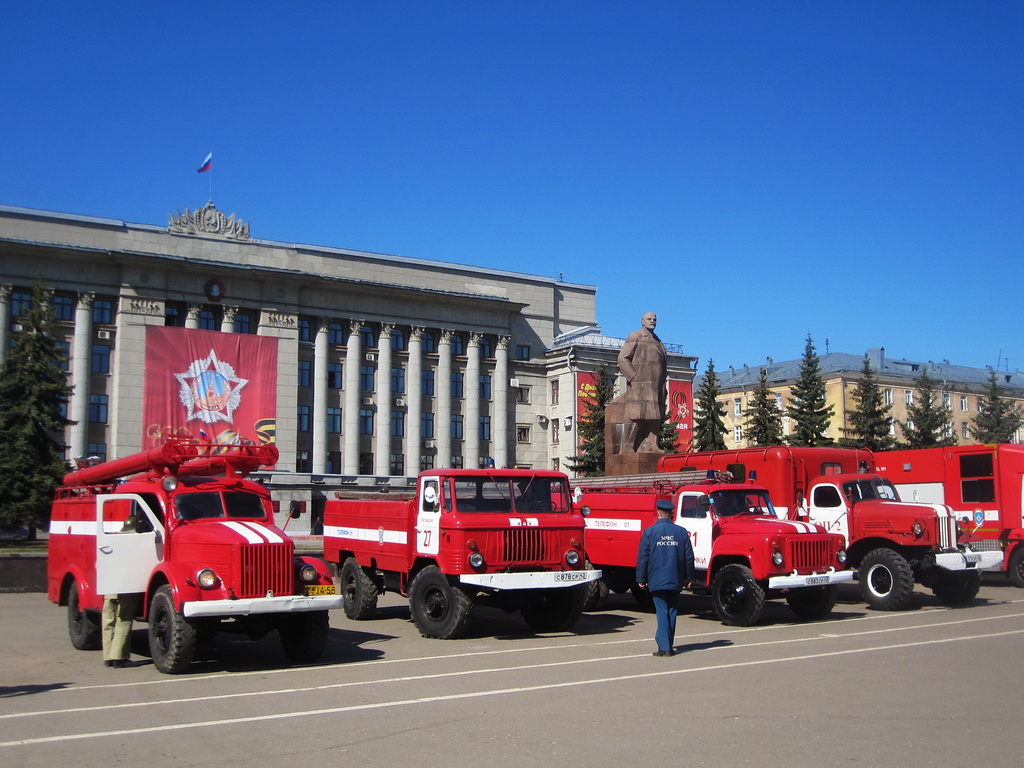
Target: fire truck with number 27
[[200, 544]]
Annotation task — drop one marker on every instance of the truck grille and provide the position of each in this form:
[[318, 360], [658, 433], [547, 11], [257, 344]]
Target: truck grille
[[947, 528], [813, 555], [524, 545], [263, 568]]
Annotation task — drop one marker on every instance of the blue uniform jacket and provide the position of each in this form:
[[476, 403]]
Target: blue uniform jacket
[[665, 557]]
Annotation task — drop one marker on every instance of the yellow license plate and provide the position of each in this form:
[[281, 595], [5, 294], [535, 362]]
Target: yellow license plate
[[319, 589]]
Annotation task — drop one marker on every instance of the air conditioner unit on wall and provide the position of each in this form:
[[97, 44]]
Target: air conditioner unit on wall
[[400, 402], [103, 334], [367, 401], [514, 383], [429, 444], [370, 357]]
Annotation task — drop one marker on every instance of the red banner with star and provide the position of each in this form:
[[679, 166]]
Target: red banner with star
[[217, 387], [680, 412]]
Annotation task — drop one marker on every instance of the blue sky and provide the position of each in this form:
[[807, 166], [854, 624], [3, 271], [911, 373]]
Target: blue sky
[[751, 171]]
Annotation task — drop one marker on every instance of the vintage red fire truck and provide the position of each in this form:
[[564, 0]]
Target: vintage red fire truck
[[510, 538], [984, 484], [743, 553], [181, 525], [892, 543]]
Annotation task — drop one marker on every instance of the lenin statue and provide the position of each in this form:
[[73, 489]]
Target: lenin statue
[[637, 414]]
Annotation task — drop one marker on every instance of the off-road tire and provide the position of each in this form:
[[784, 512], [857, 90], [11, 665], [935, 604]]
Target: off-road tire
[[597, 592], [172, 637], [737, 597], [439, 608], [555, 610], [83, 626], [1015, 568], [886, 580], [304, 635], [358, 592], [957, 587], [813, 603]]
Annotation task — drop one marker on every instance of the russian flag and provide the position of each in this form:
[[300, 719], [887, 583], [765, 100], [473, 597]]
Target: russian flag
[[207, 163]]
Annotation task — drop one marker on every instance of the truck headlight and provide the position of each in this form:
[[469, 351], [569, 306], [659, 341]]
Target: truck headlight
[[777, 557], [572, 557], [841, 555], [917, 528], [476, 560], [308, 573], [207, 579]]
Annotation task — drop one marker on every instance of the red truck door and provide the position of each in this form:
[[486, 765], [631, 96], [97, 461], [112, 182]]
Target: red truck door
[[428, 518], [694, 515], [126, 558]]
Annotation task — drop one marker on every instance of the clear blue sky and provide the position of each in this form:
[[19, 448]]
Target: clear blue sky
[[751, 171]]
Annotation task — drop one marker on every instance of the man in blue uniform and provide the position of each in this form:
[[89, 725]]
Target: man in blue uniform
[[664, 565]]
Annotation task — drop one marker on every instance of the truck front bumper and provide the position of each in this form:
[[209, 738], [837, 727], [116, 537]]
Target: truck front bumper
[[530, 579], [968, 559], [796, 580], [255, 605]]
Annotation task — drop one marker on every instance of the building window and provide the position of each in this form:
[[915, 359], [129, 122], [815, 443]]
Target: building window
[[208, 320], [243, 323], [103, 311], [398, 340], [366, 378], [522, 433], [63, 354], [555, 432], [523, 395], [946, 399], [98, 409], [303, 417], [305, 332], [97, 449], [737, 434], [778, 402], [302, 461], [908, 396], [398, 423], [963, 402], [367, 337], [398, 380], [365, 463], [174, 317], [335, 335], [396, 466], [427, 383], [426, 425], [305, 373], [365, 421], [333, 462], [888, 397], [554, 392], [21, 301], [456, 426], [101, 358], [555, 464], [456, 385], [63, 308], [334, 375], [737, 407], [485, 427], [334, 421], [965, 430], [427, 461], [522, 351], [429, 342], [486, 346], [485, 387], [458, 344]]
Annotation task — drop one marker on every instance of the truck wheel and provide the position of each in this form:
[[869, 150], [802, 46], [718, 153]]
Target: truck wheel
[[813, 603], [886, 580], [304, 636], [1015, 568], [172, 637], [358, 592], [439, 609], [597, 592], [957, 587], [737, 597], [83, 628], [555, 610]]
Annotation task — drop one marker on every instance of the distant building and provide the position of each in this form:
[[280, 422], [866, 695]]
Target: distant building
[[959, 387]]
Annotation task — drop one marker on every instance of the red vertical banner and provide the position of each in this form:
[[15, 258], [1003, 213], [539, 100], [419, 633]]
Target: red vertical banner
[[586, 392], [217, 387], [680, 412]]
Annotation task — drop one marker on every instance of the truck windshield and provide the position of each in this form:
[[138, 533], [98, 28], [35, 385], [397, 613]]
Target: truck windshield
[[511, 494], [870, 488], [205, 505], [739, 502]]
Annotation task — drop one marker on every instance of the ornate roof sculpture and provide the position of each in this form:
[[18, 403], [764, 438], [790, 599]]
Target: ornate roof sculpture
[[208, 220]]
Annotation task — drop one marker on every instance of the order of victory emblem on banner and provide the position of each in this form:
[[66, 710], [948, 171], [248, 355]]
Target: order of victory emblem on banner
[[218, 387]]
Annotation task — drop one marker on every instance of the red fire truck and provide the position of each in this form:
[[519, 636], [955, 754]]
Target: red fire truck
[[984, 484], [892, 543], [181, 525], [510, 538], [744, 554]]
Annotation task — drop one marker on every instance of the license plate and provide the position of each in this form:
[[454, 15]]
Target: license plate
[[570, 577], [319, 589], [815, 580]]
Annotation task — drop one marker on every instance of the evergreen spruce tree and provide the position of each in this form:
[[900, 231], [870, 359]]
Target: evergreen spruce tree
[[33, 390], [763, 426], [998, 418], [589, 462], [929, 424], [709, 415], [667, 436], [809, 409], [869, 420]]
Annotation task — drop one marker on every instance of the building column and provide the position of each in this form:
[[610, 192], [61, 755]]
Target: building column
[[471, 392], [499, 438], [382, 461], [318, 461], [443, 425], [414, 400], [192, 316], [5, 319], [353, 359], [81, 367], [227, 322]]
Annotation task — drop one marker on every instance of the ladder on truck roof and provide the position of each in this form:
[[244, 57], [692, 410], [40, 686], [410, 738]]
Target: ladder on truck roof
[[652, 479]]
